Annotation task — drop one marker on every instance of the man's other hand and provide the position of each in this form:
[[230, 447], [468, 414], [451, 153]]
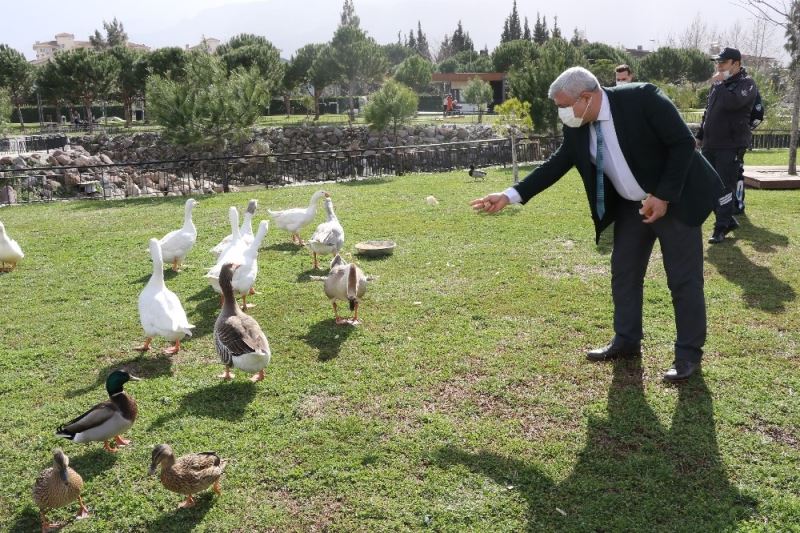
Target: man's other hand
[[491, 203]]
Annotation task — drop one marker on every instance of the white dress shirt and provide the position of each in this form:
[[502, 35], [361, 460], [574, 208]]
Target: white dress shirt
[[614, 165]]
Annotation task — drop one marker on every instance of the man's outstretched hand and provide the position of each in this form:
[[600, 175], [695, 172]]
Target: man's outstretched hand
[[491, 203]]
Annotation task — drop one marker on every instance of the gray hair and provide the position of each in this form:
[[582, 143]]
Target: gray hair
[[573, 82]]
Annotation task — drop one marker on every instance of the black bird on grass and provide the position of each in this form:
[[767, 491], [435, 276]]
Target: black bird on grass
[[475, 173]]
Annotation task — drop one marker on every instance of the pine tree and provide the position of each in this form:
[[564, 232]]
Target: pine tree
[[504, 38], [514, 27], [349, 17], [546, 30], [422, 43], [526, 32], [556, 30], [577, 38], [412, 41], [461, 40], [539, 31]]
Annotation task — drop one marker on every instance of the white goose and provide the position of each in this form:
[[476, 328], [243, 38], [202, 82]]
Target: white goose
[[347, 283], [244, 277], [238, 338], [176, 245], [160, 311], [234, 253], [329, 236], [10, 252], [295, 219], [246, 231]]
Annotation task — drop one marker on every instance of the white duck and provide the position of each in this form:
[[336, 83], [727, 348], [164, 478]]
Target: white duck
[[244, 277], [160, 311], [238, 338], [176, 245], [246, 231], [297, 218], [345, 282], [329, 236], [10, 252]]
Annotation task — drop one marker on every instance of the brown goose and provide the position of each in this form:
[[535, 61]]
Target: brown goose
[[347, 283], [239, 340], [106, 420], [57, 486]]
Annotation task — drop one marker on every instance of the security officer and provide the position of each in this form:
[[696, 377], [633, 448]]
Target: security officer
[[724, 132]]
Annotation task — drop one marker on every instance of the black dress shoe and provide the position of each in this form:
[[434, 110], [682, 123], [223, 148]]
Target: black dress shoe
[[717, 237], [614, 351], [680, 371]]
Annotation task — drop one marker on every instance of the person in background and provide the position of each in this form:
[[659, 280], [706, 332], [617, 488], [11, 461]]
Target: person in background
[[641, 171], [725, 134], [624, 74]]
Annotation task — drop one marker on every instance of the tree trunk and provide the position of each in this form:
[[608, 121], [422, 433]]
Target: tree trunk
[[480, 115], [88, 108], [795, 119], [514, 165], [287, 103], [128, 106], [352, 88], [19, 115], [316, 103]]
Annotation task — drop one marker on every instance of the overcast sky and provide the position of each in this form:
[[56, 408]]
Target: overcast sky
[[291, 24]]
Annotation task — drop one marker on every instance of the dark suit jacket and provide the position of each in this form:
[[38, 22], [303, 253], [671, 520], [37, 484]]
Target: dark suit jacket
[[658, 147]]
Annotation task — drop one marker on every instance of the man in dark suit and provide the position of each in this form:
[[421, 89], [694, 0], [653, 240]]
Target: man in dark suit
[[640, 169]]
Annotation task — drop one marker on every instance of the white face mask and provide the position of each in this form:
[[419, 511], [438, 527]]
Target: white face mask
[[622, 82], [725, 74], [567, 115]]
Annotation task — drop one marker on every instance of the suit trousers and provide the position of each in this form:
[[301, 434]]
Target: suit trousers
[[682, 251]]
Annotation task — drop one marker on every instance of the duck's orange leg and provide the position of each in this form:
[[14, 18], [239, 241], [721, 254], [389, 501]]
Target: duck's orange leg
[[146, 346], [172, 350]]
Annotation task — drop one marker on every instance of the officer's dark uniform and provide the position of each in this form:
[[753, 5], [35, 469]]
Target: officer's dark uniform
[[725, 134]]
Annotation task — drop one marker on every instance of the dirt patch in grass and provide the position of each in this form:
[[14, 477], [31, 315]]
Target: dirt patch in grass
[[781, 435]]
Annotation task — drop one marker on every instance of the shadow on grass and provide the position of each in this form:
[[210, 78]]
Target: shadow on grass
[[183, 519], [761, 289], [327, 337], [606, 243], [284, 247], [28, 518], [168, 275], [97, 204], [146, 365], [92, 463], [223, 401], [634, 472], [365, 181], [205, 314], [306, 276]]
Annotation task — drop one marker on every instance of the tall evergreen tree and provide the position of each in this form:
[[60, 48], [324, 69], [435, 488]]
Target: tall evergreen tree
[[504, 38], [422, 43], [540, 35], [526, 32], [556, 34], [512, 30], [412, 41], [115, 36], [17, 76], [577, 38], [461, 40], [348, 16]]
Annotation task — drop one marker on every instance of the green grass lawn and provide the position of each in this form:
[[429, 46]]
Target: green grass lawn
[[463, 403], [778, 156]]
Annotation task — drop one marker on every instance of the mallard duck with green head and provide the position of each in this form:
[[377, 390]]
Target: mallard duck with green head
[[58, 486], [106, 420], [189, 474]]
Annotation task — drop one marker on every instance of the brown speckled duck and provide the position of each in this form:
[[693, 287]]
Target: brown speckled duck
[[58, 486], [239, 340], [106, 420], [346, 283], [189, 474]]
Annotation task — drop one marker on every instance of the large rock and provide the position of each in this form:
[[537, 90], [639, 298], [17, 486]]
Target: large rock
[[8, 195]]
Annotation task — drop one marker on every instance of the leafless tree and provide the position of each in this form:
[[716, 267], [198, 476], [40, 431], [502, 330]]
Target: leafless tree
[[697, 35], [785, 15]]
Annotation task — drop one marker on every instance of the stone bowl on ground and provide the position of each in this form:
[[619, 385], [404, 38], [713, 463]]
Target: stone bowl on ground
[[376, 248]]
